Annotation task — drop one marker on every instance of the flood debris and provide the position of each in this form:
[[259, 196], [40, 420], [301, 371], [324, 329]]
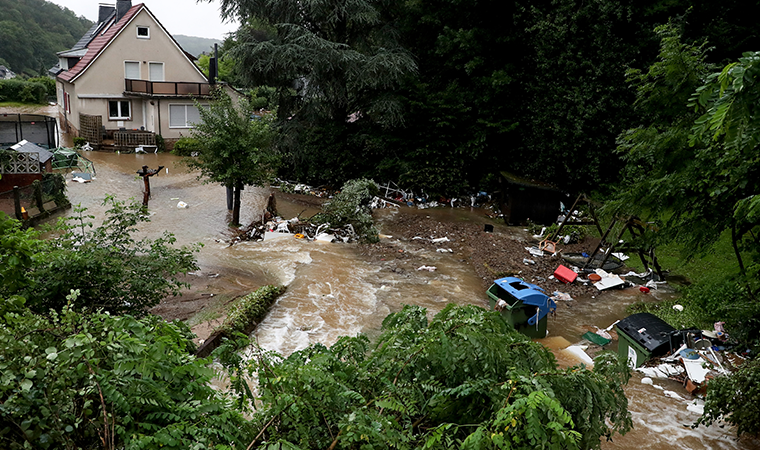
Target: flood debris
[[80, 177], [564, 296], [608, 280], [523, 305], [565, 274], [689, 356]]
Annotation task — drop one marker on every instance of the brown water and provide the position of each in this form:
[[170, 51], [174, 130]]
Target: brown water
[[332, 291]]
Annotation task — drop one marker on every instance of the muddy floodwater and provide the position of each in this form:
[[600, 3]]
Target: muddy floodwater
[[333, 290]]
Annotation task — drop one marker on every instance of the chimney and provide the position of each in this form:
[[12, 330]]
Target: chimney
[[122, 6], [104, 11], [213, 69]]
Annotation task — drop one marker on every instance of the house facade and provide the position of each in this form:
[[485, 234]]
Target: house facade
[[127, 76]]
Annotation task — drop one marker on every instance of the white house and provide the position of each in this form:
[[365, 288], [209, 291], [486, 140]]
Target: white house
[[128, 79]]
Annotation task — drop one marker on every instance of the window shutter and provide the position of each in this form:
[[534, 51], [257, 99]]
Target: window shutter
[[177, 115], [132, 70], [156, 71], [193, 116]]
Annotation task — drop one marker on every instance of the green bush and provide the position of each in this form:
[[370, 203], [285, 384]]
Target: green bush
[[23, 91], [48, 82], [352, 206], [110, 269], [251, 309], [79, 142], [62, 373], [185, 146], [465, 379], [160, 143]]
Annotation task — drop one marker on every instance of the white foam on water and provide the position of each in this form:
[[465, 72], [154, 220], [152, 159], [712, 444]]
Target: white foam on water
[[280, 259], [329, 298], [663, 423]]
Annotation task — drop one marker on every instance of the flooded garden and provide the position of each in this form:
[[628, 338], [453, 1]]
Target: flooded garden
[[346, 289]]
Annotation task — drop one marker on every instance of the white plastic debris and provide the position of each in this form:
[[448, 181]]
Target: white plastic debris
[[678, 308], [604, 334], [697, 407], [672, 394], [638, 275], [695, 369], [647, 380], [578, 351], [609, 280], [439, 240], [527, 261], [182, 205], [621, 256], [661, 371], [445, 250], [324, 237], [564, 296], [651, 284], [428, 268], [534, 251]]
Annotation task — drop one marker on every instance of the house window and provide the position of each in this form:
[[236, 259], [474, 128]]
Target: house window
[[67, 102], [143, 32], [132, 70], [183, 116], [118, 110], [156, 71]]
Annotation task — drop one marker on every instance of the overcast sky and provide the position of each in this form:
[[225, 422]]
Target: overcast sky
[[177, 16]]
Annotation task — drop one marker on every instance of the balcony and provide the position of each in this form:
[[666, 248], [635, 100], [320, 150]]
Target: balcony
[[166, 88]]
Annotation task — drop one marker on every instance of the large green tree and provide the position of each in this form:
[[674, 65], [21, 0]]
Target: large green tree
[[234, 146], [656, 151], [696, 171], [335, 64], [464, 379]]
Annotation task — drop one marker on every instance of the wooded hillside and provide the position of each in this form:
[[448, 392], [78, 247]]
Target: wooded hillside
[[32, 31]]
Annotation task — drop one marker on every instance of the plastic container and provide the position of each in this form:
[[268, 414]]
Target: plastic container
[[527, 306], [565, 275], [644, 335]]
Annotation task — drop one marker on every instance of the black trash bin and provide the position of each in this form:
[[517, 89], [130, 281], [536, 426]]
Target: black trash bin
[[643, 336]]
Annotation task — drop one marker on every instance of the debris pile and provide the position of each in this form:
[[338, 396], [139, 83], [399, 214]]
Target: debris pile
[[700, 356]]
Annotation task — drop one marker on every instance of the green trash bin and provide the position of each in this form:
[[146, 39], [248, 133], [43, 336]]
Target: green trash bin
[[526, 306], [643, 336]]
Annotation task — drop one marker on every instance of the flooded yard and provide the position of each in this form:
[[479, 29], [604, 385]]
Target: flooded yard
[[340, 289]]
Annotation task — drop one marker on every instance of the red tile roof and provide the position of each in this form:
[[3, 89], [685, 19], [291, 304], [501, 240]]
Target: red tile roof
[[99, 44]]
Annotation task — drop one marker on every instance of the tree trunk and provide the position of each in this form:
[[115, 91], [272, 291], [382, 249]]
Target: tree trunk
[[236, 207]]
